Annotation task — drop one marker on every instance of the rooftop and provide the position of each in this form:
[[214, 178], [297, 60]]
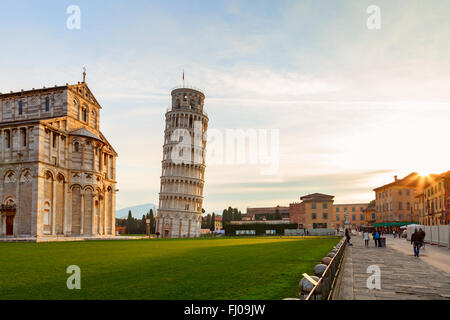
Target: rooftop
[[317, 197]]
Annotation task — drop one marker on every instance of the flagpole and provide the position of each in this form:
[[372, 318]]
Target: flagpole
[[183, 78]]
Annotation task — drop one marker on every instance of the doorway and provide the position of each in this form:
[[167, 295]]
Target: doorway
[[9, 225]]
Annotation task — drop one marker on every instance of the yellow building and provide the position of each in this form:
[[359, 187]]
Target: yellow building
[[356, 214], [318, 211], [218, 223], [370, 216], [399, 201], [434, 200]]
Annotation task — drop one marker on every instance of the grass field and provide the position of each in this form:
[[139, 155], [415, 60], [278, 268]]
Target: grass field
[[224, 268]]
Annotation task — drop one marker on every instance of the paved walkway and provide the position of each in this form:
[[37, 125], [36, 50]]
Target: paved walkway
[[438, 257], [403, 276]]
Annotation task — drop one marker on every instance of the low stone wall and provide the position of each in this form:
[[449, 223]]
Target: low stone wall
[[309, 232], [67, 239], [322, 283]]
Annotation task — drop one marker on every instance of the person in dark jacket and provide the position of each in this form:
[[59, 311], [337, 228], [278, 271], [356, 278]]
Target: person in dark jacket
[[416, 242], [377, 239], [422, 237], [347, 235]]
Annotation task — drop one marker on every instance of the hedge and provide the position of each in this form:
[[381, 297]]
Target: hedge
[[260, 228]]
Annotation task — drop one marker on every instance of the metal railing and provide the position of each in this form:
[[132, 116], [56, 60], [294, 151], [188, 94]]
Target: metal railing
[[324, 288]]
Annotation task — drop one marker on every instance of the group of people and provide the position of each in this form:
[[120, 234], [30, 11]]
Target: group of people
[[417, 240], [376, 235]]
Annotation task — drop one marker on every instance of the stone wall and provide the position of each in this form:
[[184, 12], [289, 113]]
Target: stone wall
[[55, 165]]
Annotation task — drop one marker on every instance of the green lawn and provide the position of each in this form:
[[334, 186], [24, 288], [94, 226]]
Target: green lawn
[[224, 268]]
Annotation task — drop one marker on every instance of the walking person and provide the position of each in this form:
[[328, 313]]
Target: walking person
[[366, 238], [415, 241], [377, 239], [422, 238], [347, 235]]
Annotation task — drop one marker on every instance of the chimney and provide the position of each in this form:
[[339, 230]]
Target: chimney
[[395, 177]]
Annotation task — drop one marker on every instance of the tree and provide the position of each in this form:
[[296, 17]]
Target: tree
[[231, 214], [131, 226], [204, 225], [213, 222], [277, 215], [208, 221], [372, 204], [143, 225], [152, 222]]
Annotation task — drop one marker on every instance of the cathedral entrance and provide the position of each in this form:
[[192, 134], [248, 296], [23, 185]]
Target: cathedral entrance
[[8, 212], [9, 225], [166, 233]]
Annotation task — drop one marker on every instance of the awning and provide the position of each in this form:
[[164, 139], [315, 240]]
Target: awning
[[392, 224]]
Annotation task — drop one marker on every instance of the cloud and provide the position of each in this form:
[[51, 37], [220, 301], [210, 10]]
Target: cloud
[[347, 101]]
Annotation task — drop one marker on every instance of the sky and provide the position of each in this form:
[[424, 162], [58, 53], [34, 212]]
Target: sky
[[352, 106]]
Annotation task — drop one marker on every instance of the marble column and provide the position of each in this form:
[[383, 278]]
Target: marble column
[[82, 212], [53, 232]]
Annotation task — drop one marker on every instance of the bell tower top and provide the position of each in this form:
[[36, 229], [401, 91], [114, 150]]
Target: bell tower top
[[188, 99]]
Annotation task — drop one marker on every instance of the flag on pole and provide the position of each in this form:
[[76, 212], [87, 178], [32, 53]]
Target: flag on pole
[[183, 74]]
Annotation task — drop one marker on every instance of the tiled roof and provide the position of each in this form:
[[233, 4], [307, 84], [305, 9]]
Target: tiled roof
[[316, 196], [83, 132]]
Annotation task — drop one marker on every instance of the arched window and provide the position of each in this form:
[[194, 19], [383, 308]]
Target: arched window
[[84, 115], [25, 177], [178, 104], [10, 177], [9, 202], [23, 134], [76, 147], [20, 107], [76, 106], [47, 104], [8, 139], [94, 118], [46, 216]]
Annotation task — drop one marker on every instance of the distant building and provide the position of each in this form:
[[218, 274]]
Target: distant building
[[447, 197], [218, 223], [318, 211], [121, 230], [297, 214], [356, 214], [370, 216], [436, 200], [395, 201], [262, 213], [419, 207], [315, 211], [205, 231]]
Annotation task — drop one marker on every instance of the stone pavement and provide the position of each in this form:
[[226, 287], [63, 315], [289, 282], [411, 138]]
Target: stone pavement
[[438, 257], [403, 276]]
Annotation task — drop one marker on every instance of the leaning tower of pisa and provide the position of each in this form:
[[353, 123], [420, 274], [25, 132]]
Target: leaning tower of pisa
[[183, 166]]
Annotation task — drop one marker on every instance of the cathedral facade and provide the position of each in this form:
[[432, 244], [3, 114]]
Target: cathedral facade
[[57, 170], [183, 166]]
